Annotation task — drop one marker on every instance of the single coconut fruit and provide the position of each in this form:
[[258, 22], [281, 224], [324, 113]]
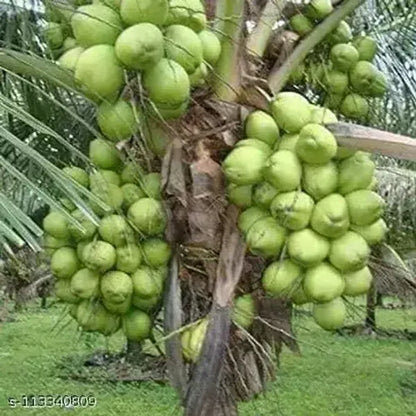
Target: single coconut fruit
[[69, 59], [148, 216], [64, 263], [341, 34], [355, 107], [240, 195], [62, 289], [132, 173], [319, 9], [115, 230], [330, 216], [99, 256], [77, 174], [281, 278], [189, 13], [379, 86], [95, 24], [244, 311], [344, 56], [54, 35], [56, 224], [335, 82], [131, 194], [104, 155], [322, 115], [151, 185], [362, 77], [85, 284], [266, 238], [316, 144], [150, 11], [288, 142], [330, 315], [93, 317], [291, 111], [140, 46], [99, 72], [117, 308], [129, 258], [364, 206], [117, 121], [320, 180], [292, 210], [366, 47], [307, 248], [249, 217], [156, 252], [323, 283], [349, 252], [50, 243], [84, 231], [263, 195], [147, 282], [112, 196], [211, 46], [348, 179], [357, 283], [373, 233], [301, 24], [261, 126], [283, 170], [116, 287]]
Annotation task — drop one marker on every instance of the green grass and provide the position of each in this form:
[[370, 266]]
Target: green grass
[[333, 376]]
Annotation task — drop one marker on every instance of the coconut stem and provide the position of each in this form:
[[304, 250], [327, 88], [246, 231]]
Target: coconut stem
[[279, 75], [259, 38], [227, 73]]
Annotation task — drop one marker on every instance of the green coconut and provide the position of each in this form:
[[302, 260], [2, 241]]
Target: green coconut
[[115, 230], [85, 231], [129, 258], [249, 217], [330, 315], [104, 155], [132, 173], [118, 308], [255, 143], [148, 216], [349, 252], [301, 24], [117, 121], [156, 252], [240, 195], [348, 179], [150, 11], [183, 46], [288, 142], [362, 77], [211, 46], [291, 111], [266, 238], [151, 185], [99, 256], [344, 153], [54, 35], [50, 243], [319, 9], [261, 126], [196, 340], [335, 82], [116, 287], [93, 317], [189, 13], [64, 263], [264, 194], [298, 297], [131, 194], [167, 83], [80, 249], [357, 283], [316, 144], [69, 59], [307, 248], [56, 224], [244, 165], [322, 115], [77, 174], [330, 216], [292, 210], [366, 46], [101, 179], [199, 77], [281, 278], [62, 289], [379, 85], [373, 233], [244, 311], [95, 24], [147, 282], [355, 107], [85, 284], [320, 180], [323, 283], [341, 34], [344, 56], [145, 304], [140, 46], [283, 170], [364, 206]]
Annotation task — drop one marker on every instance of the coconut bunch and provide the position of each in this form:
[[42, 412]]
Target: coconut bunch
[[164, 44], [111, 273], [308, 206]]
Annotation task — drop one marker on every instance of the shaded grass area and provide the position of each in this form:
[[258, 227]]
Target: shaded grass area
[[335, 375]]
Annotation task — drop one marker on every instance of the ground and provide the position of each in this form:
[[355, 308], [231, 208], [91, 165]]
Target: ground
[[335, 375]]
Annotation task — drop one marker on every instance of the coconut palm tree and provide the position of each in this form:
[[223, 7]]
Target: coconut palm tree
[[45, 124]]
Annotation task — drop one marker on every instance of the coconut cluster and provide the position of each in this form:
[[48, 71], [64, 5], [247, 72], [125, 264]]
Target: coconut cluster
[[308, 206], [111, 273], [166, 42]]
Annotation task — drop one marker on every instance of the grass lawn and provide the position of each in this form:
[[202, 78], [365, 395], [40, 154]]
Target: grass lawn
[[333, 376]]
